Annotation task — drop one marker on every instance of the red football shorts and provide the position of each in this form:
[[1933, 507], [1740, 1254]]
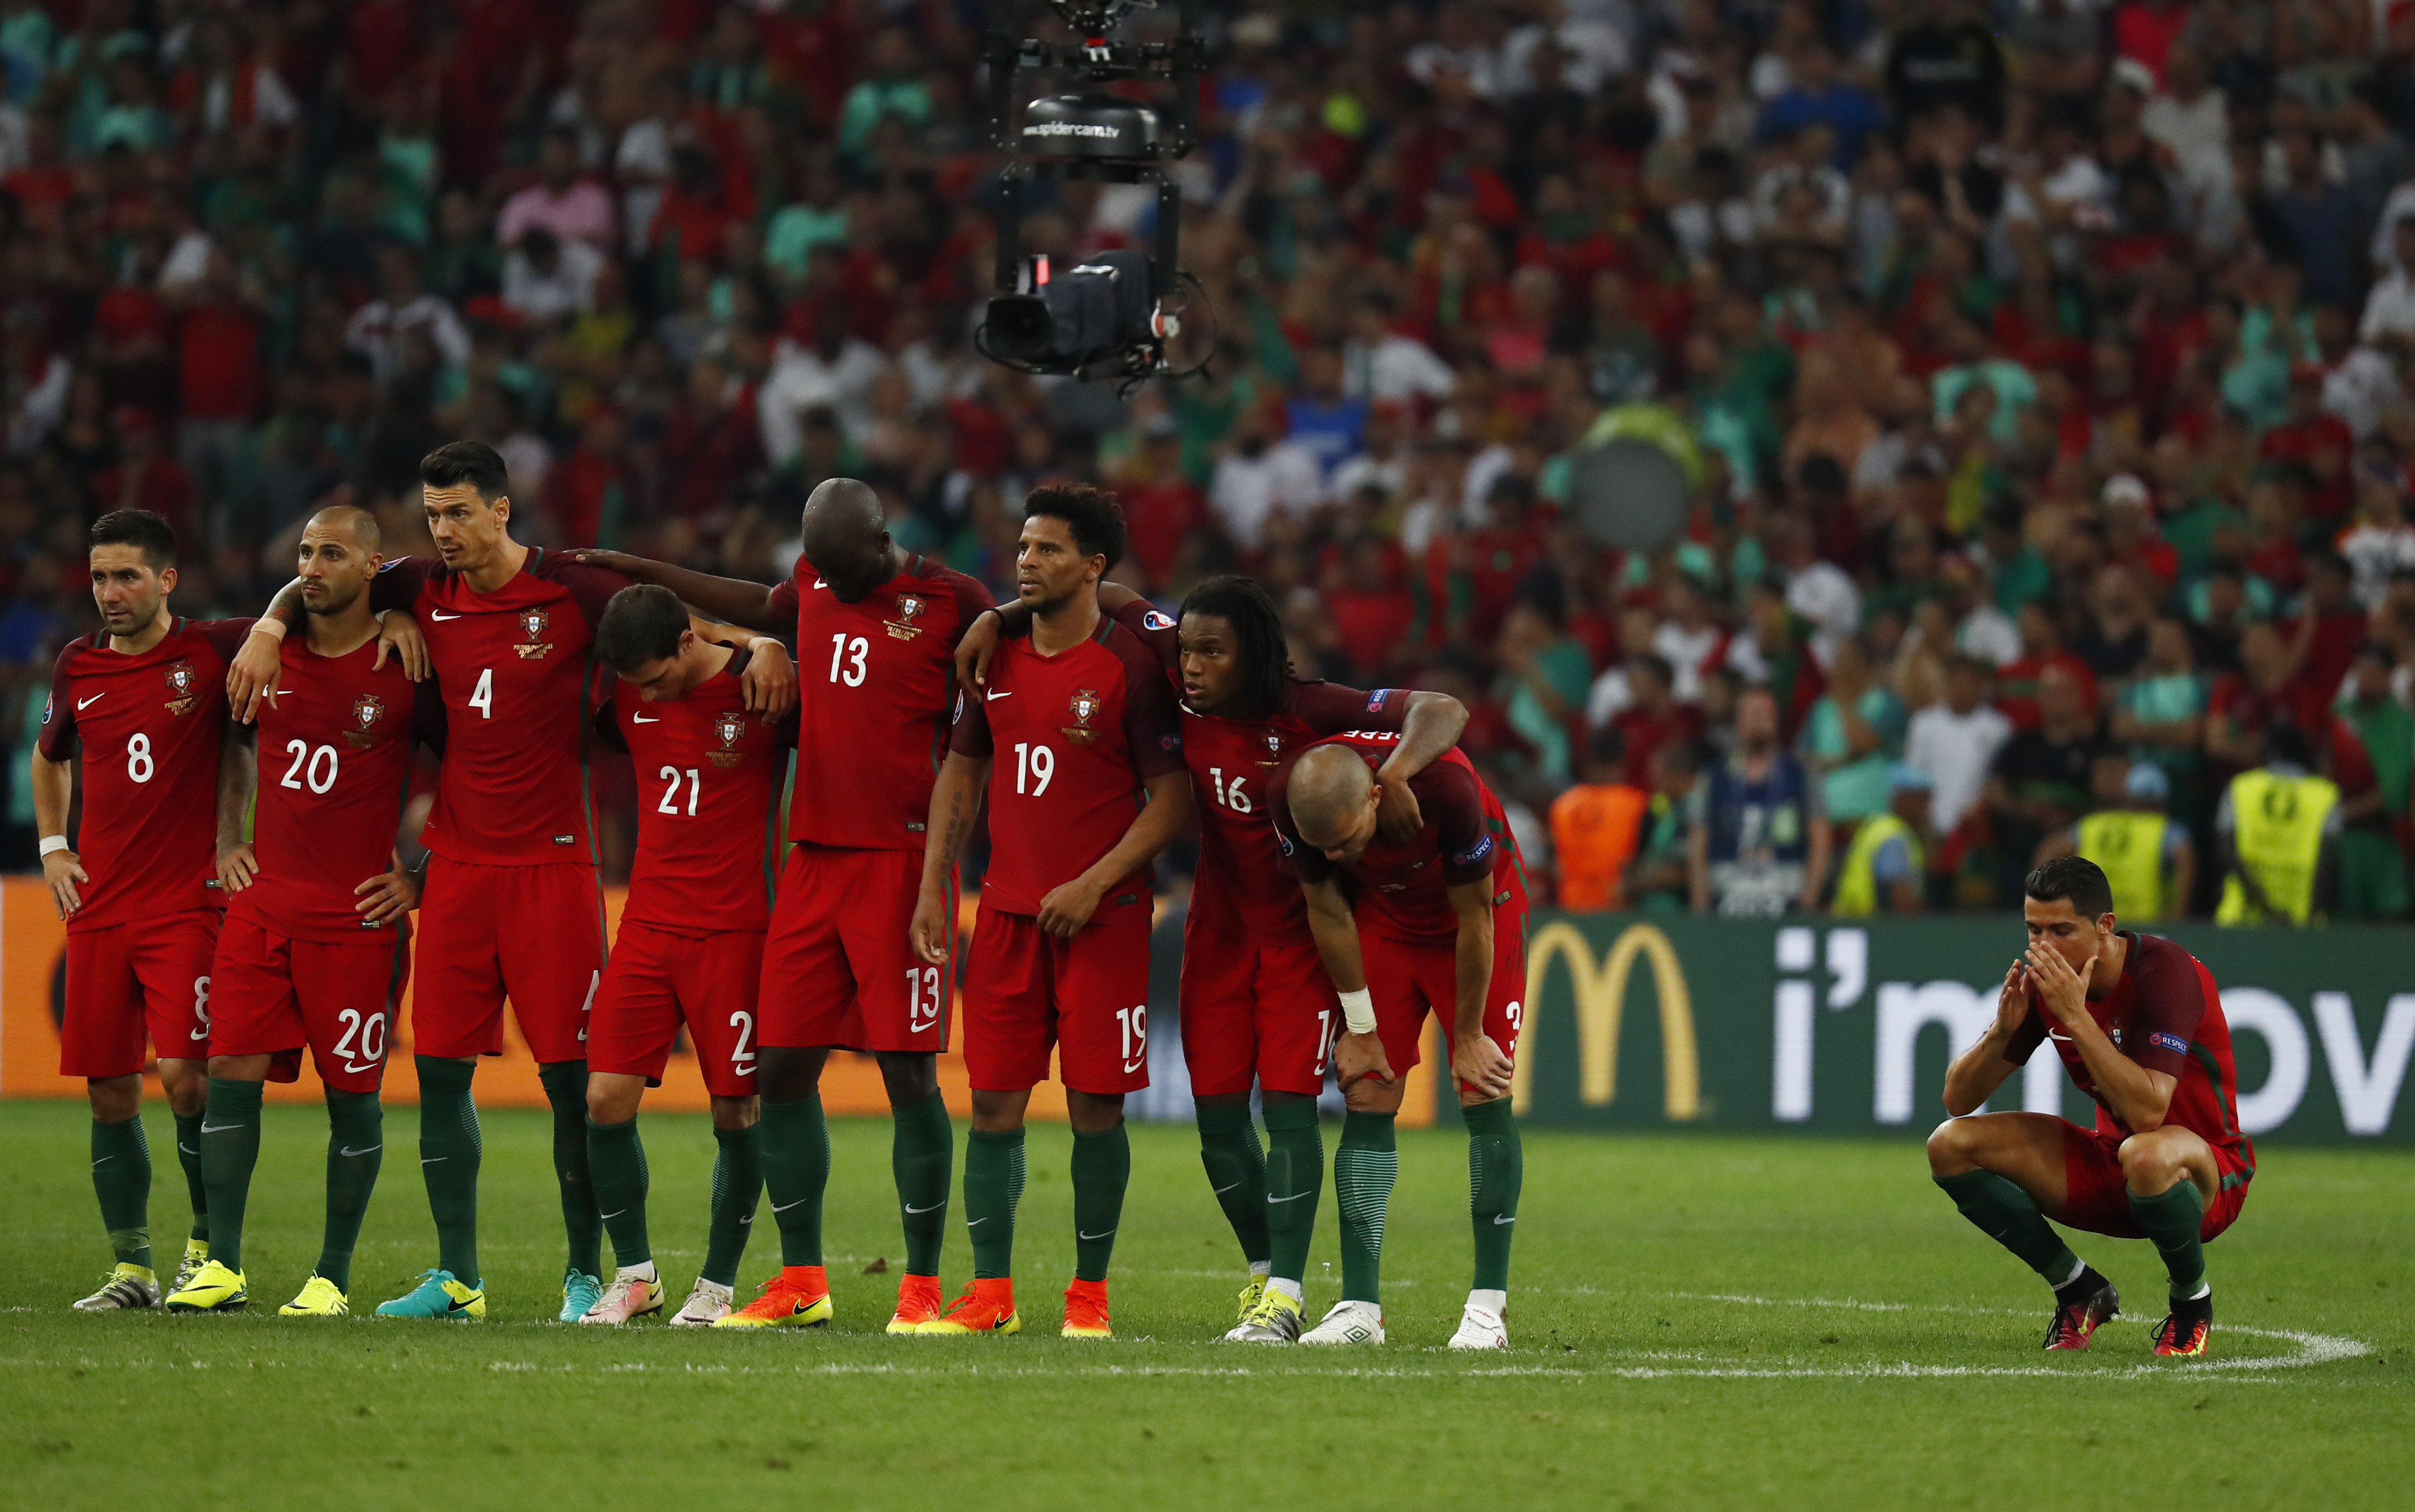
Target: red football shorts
[[1252, 1011], [658, 981], [1026, 990], [1410, 979], [150, 976], [2097, 1196], [531, 933], [838, 967], [275, 995]]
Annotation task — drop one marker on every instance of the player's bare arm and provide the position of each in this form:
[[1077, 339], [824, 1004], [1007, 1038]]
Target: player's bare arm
[[252, 675], [1068, 906], [1429, 726], [1007, 621], [389, 895], [1983, 1064], [2138, 1096], [733, 600], [956, 799], [769, 683], [1478, 1063], [54, 788], [238, 770], [1356, 1057]]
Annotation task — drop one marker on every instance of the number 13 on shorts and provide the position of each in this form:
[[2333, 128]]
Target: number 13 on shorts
[[923, 998]]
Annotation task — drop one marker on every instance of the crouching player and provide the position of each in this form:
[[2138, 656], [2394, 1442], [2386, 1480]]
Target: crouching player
[[1447, 910], [691, 943], [2138, 1024], [316, 945]]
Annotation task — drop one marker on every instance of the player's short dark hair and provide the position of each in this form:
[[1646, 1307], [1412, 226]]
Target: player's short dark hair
[[2074, 877], [641, 625], [473, 462], [1090, 513], [1258, 634], [141, 528]]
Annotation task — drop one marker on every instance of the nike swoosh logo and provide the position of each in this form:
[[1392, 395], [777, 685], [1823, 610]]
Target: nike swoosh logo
[[1293, 1198], [975, 1223], [818, 583], [745, 1071], [349, 1152], [1499, 1220], [748, 1218], [993, 697], [641, 719], [615, 1213], [186, 1149], [1079, 1235], [217, 1128], [777, 1209], [932, 1208], [434, 1160], [439, 614], [106, 1158], [1219, 1191], [82, 704]]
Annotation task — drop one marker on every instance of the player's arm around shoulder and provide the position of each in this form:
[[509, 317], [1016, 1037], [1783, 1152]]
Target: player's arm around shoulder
[[1431, 725], [769, 682]]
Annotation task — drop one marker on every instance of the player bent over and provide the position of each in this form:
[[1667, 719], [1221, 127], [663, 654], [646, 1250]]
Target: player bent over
[[691, 943], [1077, 735], [1447, 911], [839, 970], [316, 947], [137, 716], [2138, 1024]]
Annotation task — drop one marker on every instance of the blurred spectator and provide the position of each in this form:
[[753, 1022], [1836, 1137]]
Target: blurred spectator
[[1597, 826], [1886, 867], [1953, 744], [2277, 829], [1758, 834], [2145, 855], [2373, 854], [1853, 737]]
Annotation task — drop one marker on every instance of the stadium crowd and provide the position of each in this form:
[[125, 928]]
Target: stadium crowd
[[2041, 369]]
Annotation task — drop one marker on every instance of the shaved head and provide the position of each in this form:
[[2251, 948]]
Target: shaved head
[[845, 537], [1333, 797], [351, 520]]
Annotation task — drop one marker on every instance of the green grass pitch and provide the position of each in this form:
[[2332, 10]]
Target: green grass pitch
[[1696, 1320]]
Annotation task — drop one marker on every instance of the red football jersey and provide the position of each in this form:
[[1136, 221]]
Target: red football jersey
[[2165, 1013], [876, 681], [708, 776], [336, 748], [1403, 892], [1242, 887], [515, 669], [149, 729], [1074, 735]]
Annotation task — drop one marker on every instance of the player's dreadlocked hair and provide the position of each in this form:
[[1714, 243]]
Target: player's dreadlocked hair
[[1257, 630], [1092, 515]]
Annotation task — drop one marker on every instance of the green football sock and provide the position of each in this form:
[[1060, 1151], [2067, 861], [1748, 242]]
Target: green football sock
[[1295, 1175], [2173, 1220], [230, 1150], [1237, 1172], [1364, 1169], [617, 1158], [565, 1087], [2007, 1214], [449, 1150], [1496, 1168], [355, 1146], [737, 1187], [922, 1156], [121, 1178], [188, 1155], [795, 1141], [1101, 1170], [993, 1185]]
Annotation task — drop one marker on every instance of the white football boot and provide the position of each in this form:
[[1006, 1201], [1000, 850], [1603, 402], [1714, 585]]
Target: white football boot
[[633, 1293], [1349, 1322], [709, 1301], [1480, 1327]]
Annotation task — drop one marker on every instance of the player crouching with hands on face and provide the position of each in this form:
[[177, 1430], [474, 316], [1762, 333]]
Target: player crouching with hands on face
[[2138, 1024]]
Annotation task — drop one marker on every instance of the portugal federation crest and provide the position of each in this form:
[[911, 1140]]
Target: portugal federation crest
[[1273, 739], [910, 607], [367, 710], [728, 730], [533, 627], [1084, 706], [182, 683]]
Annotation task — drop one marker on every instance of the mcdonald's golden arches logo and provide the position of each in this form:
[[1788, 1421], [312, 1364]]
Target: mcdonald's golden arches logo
[[1601, 992]]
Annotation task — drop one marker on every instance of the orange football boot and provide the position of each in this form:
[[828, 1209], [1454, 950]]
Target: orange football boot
[[1086, 1311], [987, 1308], [917, 1302], [798, 1297]]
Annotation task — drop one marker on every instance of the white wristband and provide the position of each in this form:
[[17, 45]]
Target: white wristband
[[269, 625], [52, 843], [1359, 1012]]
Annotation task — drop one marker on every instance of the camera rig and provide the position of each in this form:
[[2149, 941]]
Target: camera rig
[[1110, 317]]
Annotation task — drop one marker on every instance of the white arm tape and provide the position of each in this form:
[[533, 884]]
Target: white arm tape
[[271, 625], [1359, 1012], [54, 842]]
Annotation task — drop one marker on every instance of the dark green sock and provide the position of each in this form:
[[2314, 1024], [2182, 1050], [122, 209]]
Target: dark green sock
[[1237, 1172], [121, 1178], [2010, 1215], [2173, 1220], [230, 1150], [1364, 1169], [449, 1150], [993, 1185], [1295, 1175], [1101, 1170], [355, 1146], [617, 1157], [737, 1187], [922, 1156], [1496, 1168], [188, 1155], [795, 1141], [582, 1222]]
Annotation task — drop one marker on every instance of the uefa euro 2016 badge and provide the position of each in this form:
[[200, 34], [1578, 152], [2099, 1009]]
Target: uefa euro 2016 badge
[[182, 697], [909, 609], [1085, 705], [1274, 748], [533, 625], [367, 710], [729, 730]]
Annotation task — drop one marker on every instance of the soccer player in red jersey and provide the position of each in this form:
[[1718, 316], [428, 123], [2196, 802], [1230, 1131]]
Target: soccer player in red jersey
[[513, 904], [838, 968], [316, 945], [1078, 740], [2138, 1021], [1447, 911], [137, 719], [690, 948]]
